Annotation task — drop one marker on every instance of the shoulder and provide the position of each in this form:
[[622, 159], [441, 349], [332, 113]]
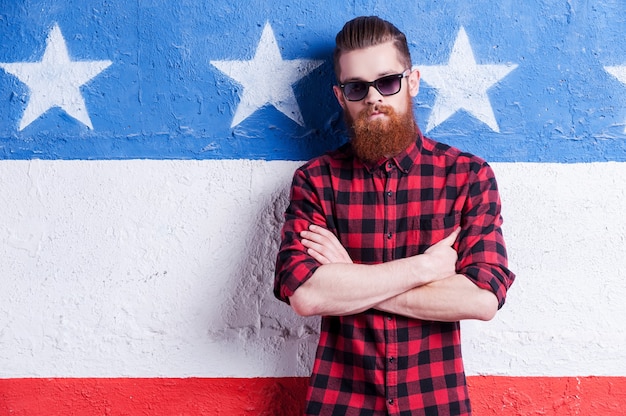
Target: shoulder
[[454, 157], [335, 159]]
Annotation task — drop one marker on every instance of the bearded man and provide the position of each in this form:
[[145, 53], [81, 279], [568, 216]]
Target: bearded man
[[392, 239]]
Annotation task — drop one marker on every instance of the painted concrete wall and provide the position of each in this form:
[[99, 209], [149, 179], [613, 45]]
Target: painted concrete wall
[[164, 268], [145, 157]]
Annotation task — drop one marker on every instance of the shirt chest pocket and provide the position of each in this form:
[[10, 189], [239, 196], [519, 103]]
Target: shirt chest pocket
[[428, 230]]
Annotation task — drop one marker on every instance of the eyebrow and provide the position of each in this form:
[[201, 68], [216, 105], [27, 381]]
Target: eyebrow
[[380, 75]]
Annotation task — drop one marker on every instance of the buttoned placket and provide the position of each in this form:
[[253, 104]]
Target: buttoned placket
[[390, 241], [391, 185]]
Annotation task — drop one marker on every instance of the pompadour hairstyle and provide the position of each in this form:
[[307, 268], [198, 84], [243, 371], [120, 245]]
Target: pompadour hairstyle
[[365, 31]]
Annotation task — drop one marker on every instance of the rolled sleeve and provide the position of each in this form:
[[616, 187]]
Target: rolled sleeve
[[294, 265], [482, 251]]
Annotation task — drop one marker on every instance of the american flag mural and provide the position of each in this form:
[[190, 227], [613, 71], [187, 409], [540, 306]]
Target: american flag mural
[[146, 151]]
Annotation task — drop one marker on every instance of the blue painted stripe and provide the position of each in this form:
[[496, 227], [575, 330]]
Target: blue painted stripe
[[162, 99]]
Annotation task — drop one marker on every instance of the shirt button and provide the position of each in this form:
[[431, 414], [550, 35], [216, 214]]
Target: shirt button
[[389, 165], [389, 193], [390, 401], [389, 318], [391, 359], [389, 235]]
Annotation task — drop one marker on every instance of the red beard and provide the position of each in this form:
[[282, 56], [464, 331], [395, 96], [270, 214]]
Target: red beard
[[382, 138]]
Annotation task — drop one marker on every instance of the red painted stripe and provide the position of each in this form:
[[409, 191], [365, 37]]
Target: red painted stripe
[[558, 396], [501, 396]]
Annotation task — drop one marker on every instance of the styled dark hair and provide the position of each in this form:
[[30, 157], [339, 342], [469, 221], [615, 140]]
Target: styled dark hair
[[365, 31]]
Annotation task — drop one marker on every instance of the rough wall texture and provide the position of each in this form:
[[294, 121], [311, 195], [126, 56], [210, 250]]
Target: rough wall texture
[[146, 152]]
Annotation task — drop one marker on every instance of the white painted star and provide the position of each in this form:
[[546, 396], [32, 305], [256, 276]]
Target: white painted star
[[267, 78], [618, 72], [463, 85], [55, 81]]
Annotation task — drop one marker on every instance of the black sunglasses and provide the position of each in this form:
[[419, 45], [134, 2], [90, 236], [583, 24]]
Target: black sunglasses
[[387, 85]]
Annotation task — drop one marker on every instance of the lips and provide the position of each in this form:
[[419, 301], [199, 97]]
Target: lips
[[377, 111]]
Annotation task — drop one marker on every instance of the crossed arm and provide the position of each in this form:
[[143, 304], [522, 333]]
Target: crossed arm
[[424, 286]]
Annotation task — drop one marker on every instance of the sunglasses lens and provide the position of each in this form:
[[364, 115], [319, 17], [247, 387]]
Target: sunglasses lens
[[388, 85], [355, 91]]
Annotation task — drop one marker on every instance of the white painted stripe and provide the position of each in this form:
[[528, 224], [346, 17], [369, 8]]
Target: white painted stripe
[[149, 268], [565, 228]]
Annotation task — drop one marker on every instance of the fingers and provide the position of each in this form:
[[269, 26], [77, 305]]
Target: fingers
[[321, 231], [324, 246], [449, 240], [316, 250], [446, 242], [318, 256], [443, 256], [319, 236]]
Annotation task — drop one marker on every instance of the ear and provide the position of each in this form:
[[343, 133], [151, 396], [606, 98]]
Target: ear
[[339, 95], [414, 82]]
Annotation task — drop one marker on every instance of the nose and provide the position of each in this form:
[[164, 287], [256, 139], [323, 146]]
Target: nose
[[373, 96]]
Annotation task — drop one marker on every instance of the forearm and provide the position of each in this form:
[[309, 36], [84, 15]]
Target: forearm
[[345, 288], [339, 287], [452, 299]]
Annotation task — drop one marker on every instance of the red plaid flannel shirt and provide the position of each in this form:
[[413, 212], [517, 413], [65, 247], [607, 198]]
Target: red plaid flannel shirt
[[375, 363]]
